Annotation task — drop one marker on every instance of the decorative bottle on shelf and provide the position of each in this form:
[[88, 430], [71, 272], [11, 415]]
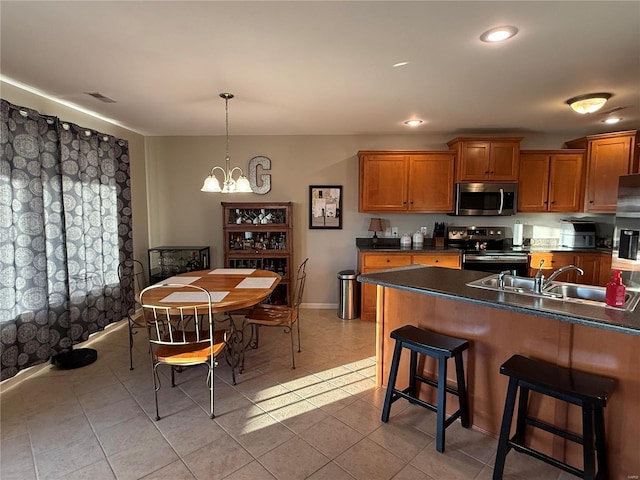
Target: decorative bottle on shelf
[[615, 291]]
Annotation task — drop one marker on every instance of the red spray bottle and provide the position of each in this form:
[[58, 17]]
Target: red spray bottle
[[615, 291]]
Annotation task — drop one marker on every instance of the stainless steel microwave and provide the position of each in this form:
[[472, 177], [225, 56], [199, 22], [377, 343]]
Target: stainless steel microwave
[[486, 198]]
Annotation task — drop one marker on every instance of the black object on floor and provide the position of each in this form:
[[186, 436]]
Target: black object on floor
[[438, 346], [80, 357], [586, 390]]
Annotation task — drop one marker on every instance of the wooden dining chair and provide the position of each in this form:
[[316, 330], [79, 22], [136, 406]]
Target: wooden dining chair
[[183, 336], [132, 279], [283, 316]]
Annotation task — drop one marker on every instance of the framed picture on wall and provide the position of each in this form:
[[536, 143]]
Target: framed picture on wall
[[325, 206]]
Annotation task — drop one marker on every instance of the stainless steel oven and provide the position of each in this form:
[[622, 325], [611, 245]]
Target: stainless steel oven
[[486, 198], [486, 249]]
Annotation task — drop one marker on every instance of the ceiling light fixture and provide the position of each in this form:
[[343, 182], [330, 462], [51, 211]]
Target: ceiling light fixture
[[400, 64], [498, 34], [589, 103], [413, 123], [612, 120], [229, 185]]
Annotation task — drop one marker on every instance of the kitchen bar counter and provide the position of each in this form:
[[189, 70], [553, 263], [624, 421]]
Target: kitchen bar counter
[[498, 325], [452, 284]]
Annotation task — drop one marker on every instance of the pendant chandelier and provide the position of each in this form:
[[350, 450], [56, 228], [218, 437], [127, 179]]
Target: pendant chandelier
[[229, 185]]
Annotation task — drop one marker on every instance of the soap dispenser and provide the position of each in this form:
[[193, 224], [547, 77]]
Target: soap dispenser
[[615, 291]]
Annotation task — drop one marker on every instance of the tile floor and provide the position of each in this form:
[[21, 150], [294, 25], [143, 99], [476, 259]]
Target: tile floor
[[320, 421]]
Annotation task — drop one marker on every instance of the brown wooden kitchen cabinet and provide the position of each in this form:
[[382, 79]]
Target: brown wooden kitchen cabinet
[[408, 181], [605, 269], [486, 159], [608, 155], [589, 262], [374, 262], [550, 180]]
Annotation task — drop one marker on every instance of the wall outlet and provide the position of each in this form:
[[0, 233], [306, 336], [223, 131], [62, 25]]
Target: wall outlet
[[394, 231]]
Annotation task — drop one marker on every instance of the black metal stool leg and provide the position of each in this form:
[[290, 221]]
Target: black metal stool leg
[[462, 392], [442, 403], [413, 366], [391, 384], [505, 429]]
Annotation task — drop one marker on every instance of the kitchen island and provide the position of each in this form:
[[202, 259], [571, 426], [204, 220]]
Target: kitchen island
[[498, 324]]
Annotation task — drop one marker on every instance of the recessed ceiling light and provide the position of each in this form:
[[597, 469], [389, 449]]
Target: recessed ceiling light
[[498, 34], [413, 123], [400, 64], [612, 120]]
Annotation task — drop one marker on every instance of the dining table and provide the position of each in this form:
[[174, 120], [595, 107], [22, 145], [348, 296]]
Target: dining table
[[230, 289]]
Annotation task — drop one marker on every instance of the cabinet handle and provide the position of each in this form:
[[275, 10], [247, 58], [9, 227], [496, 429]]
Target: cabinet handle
[[553, 202], [437, 261], [486, 171], [492, 172], [590, 201], [388, 260]]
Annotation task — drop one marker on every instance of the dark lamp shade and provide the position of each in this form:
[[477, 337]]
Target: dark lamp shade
[[375, 225]]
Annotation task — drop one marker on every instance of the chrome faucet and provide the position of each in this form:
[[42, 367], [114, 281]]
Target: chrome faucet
[[501, 277], [540, 283]]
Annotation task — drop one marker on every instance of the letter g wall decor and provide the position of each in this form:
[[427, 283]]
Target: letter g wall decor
[[265, 163]]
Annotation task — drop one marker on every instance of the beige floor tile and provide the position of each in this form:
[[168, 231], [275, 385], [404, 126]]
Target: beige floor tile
[[452, 464], [361, 416], [299, 416], [103, 397], [293, 460], [252, 471], [412, 473], [218, 459], [330, 471], [136, 431], [16, 458], [367, 460], [68, 457], [114, 413], [174, 471], [261, 435], [404, 441], [100, 470], [143, 458], [523, 467], [189, 429], [46, 437], [475, 444], [331, 437]]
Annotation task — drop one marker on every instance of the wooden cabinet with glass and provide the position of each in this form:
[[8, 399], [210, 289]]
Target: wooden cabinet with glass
[[481, 159], [406, 181], [609, 155], [165, 262], [260, 235], [550, 180]]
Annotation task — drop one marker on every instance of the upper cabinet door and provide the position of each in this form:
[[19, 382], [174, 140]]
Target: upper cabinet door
[[383, 183], [609, 155], [493, 159], [565, 182], [474, 161], [608, 159], [431, 182], [533, 186], [503, 165]]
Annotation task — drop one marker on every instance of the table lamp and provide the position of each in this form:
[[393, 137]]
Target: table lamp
[[375, 226]]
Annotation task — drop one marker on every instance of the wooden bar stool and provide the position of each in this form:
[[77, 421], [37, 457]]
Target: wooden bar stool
[[440, 347], [586, 390]]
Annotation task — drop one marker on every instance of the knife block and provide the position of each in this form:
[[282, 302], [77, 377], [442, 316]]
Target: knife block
[[437, 241]]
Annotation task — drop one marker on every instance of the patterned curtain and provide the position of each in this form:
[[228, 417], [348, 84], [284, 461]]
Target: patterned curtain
[[65, 224]]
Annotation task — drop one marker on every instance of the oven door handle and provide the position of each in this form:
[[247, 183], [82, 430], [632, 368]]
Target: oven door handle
[[501, 201]]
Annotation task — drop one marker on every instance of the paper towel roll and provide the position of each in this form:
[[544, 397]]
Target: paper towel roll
[[517, 234]]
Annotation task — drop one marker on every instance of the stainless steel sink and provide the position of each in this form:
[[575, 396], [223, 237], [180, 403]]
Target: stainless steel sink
[[560, 291]]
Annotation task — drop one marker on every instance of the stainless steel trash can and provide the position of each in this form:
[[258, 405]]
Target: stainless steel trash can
[[349, 295]]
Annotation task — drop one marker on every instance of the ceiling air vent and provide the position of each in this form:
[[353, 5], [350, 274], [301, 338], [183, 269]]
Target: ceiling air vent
[[101, 97]]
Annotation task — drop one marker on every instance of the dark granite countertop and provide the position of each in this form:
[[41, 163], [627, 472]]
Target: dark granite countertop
[[451, 284], [397, 249]]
